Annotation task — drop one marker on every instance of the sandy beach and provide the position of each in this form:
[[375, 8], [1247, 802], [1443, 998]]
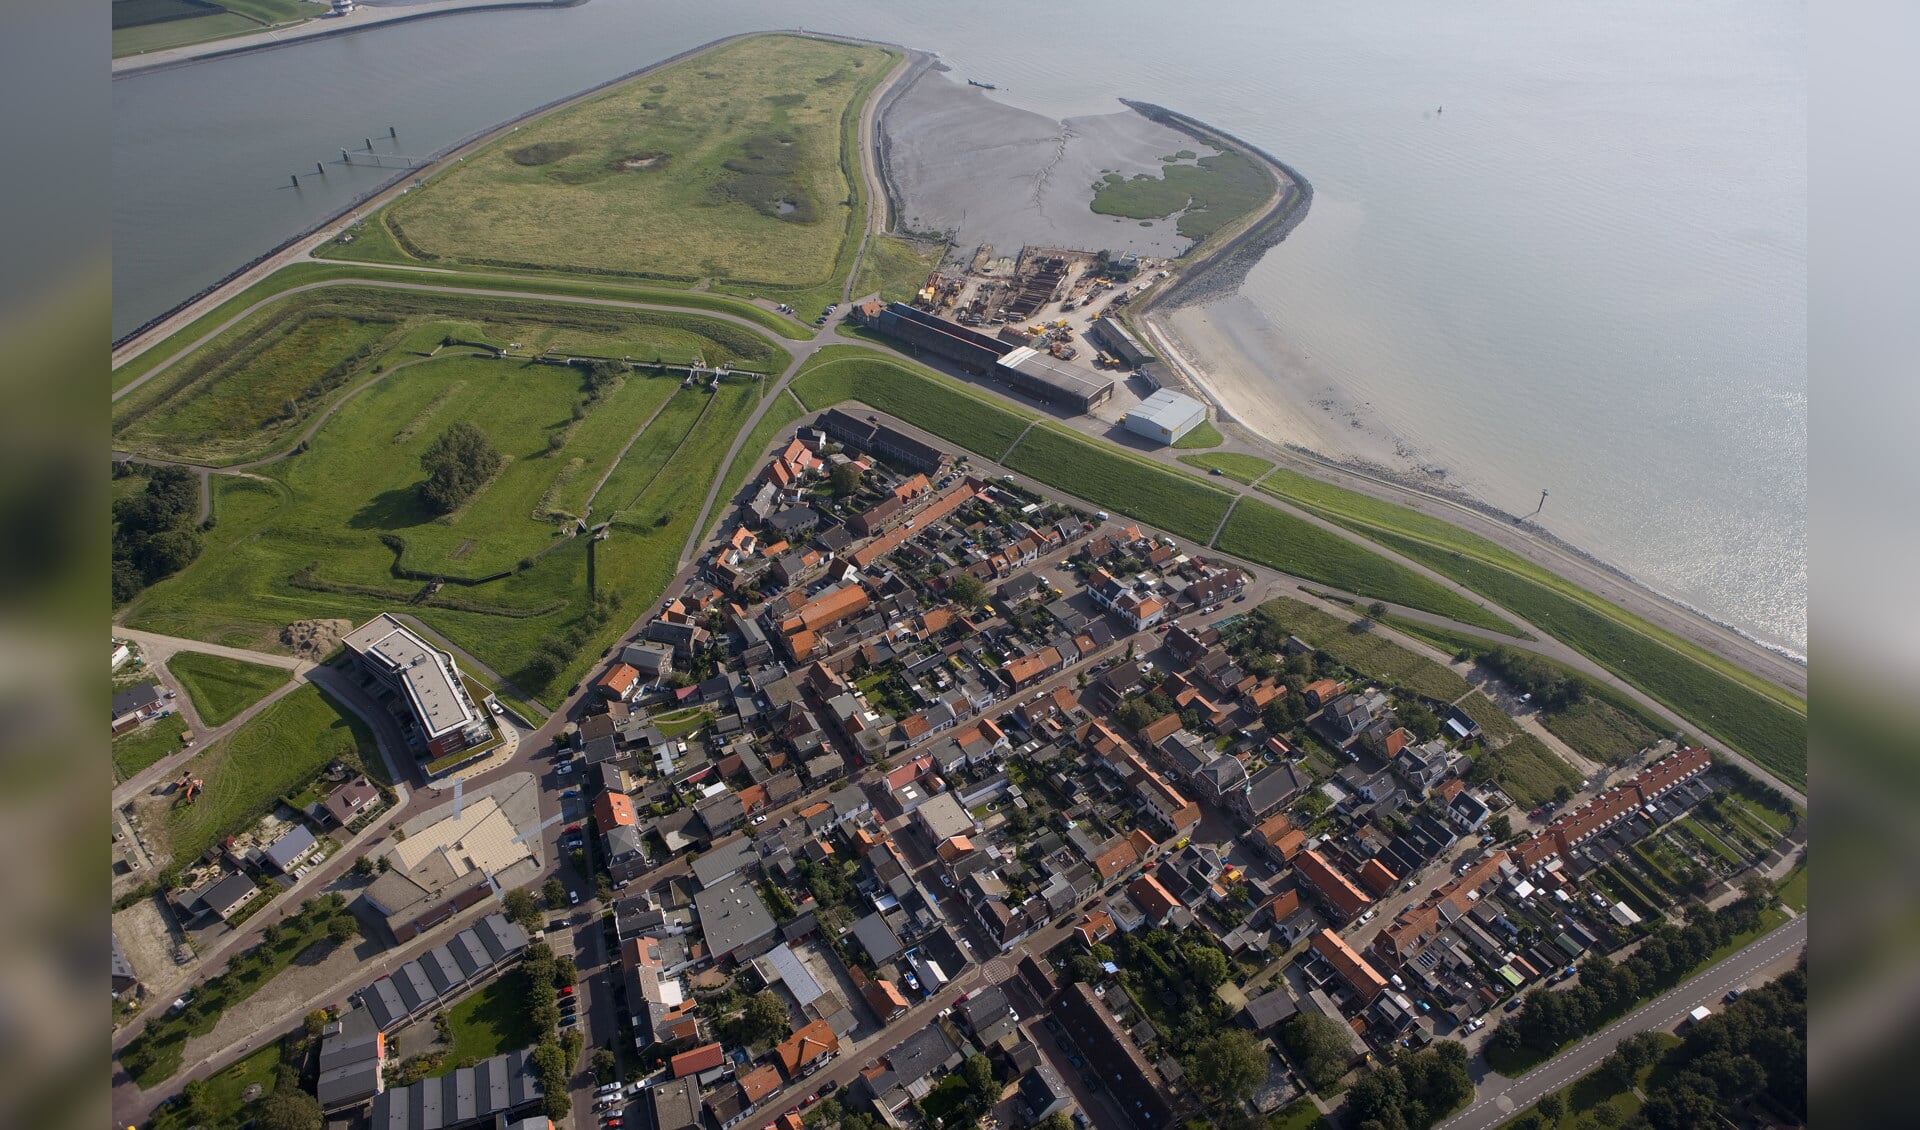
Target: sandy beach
[[1261, 382]]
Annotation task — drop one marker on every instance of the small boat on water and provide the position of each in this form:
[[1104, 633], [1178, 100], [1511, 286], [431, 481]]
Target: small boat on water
[[981, 85]]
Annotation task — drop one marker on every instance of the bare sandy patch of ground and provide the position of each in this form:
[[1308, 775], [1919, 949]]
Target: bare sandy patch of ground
[[314, 640]]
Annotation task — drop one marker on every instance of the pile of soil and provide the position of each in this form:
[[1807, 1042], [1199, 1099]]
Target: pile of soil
[[314, 640]]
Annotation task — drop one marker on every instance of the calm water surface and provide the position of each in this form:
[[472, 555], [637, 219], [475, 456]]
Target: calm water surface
[[1587, 274]]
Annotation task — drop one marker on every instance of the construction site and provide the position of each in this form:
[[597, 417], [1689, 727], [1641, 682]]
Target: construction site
[[1039, 321]]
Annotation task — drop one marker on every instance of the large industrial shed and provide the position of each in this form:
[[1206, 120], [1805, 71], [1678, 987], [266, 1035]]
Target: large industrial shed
[[969, 349], [1034, 373], [1166, 416]]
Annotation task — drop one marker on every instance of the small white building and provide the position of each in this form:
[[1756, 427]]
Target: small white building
[[1166, 416]]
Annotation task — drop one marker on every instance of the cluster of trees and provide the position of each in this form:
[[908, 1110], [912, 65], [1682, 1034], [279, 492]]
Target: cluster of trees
[[967, 591], [522, 909], [153, 531], [553, 1056], [1606, 990], [1225, 1070], [457, 464], [1755, 1050], [1321, 1047], [844, 478], [1413, 1091], [1753, 1053], [1553, 687], [764, 1020]]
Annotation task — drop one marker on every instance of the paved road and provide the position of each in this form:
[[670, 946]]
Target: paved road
[[1500, 1098]]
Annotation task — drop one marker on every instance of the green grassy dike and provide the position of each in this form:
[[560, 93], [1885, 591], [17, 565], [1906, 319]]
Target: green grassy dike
[[300, 274], [1762, 720]]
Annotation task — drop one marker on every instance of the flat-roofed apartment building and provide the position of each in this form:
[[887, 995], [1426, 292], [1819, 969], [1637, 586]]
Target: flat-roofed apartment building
[[445, 719]]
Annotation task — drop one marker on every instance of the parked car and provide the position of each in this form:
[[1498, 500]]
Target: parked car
[[830, 1086], [573, 898]]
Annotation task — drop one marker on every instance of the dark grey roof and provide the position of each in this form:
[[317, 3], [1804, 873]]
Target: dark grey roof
[[502, 938], [282, 851], [724, 860], [228, 891], [601, 750], [920, 1054], [731, 916], [876, 938], [1270, 1008], [503, 1083], [382, 1001], [414, 987], [136, 698], [469, 953], [442, 969]]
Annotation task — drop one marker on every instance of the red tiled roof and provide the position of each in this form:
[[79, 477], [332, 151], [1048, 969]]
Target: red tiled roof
[[804, 1046], [699, 1059], [1153, 899], [1331, 884], [1376, 877], [1362, 978]]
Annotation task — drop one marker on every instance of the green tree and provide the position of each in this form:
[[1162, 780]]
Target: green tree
[[521, 909], [1206, 965], [565, 972], [1226, 1067], [967, 590], [765, 1019], [288, 1108], [1500, 826], [983, 1089], [342, 928], [604, 1065], [457, 464], [317, 1021], [845, 479], [1563, 793], [1551, 1106], [555, 893], [1321, 1046], [364, 867]]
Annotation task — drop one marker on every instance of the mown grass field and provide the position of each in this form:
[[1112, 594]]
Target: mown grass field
[[895, 267], [1106, 476], [137, 749], [1526, 769], [1293, 545], [341, 506], [732, 164], [257, 386], [1765, 721], [222, 1104], [938, 404], [1365, 652], [1203, 435], [1245, 469], [490, 1021], [220, 687], [270, 756]]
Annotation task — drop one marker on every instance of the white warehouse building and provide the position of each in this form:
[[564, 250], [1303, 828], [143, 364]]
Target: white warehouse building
[[1166, 416]]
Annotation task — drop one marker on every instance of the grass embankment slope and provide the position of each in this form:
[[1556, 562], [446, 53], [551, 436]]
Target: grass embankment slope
[[220, 687], [340, 530], [269, 757], [152, 25], [1186, 505], [253, 389], [736, 164], [1765, 721], [346, 274]]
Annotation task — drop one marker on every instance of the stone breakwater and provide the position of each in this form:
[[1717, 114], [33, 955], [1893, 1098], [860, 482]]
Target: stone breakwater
[[1221, 271]]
